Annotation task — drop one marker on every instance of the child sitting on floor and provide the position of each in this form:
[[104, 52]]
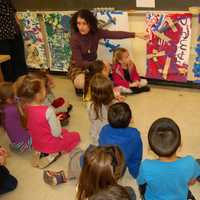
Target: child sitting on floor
[[125, 75], [48, 138], [169, 176], [10, 117]]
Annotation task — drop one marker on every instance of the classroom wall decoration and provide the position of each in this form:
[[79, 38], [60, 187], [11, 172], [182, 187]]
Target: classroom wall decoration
[[33, 40], [58, 31], [112, 20], [196, 67], [168, 47]]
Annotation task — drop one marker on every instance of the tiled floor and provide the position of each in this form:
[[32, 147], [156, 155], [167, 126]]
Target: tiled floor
[[183, 105]]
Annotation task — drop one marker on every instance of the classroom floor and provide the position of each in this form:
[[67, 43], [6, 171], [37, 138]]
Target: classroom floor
[[182, 105]]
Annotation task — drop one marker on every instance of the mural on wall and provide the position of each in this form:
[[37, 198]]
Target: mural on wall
[[168, 46], [196, 67], [58, 32], [33, 40], [112, 20]]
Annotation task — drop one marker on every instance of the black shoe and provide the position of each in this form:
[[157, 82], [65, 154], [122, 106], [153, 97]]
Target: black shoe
[[79, 92], [137, 90], [69, 108]]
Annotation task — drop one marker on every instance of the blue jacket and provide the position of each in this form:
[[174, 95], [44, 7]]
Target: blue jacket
[[129, 141]]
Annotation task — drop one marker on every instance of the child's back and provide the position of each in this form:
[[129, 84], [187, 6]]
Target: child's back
[[127, 138], [10, 117], [102, 97], [96, 124], [169, 176], [168, 180], [12, 125]]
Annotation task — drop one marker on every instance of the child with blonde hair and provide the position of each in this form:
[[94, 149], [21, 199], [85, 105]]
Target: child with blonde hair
[[10, 118], [49, 139], [61, 105], [125, 75]]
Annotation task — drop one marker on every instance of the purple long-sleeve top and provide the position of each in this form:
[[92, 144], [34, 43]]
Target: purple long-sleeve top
[[84, 47]]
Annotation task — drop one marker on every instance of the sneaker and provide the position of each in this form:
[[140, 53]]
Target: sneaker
[[69, 108], [54, 178], [47, 160]]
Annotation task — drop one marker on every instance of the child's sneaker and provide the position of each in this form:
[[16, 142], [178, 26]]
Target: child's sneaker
[[42, 160], [48, 159], [54, 178]]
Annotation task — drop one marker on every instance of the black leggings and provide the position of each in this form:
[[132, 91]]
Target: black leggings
[[7, 181]]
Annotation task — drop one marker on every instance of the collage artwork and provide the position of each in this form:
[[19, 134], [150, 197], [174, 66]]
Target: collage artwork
[[46, 38], [169, 46]]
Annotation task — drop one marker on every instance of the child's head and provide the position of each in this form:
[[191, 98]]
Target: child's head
[[121, 56], [6, 93], [101, 92], [164, 137], [31, 89], [116, 192], [119, 115], [103, 166], [98, 66], [48, 79]]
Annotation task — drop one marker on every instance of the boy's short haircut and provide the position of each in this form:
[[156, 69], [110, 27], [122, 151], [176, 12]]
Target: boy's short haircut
[[119, 115], [164, 137], [116, 192]]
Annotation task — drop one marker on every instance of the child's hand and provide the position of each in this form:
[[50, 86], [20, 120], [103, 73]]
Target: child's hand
[[120, 98], [60, 117], [3, 152], [3, 155], [2, 160]]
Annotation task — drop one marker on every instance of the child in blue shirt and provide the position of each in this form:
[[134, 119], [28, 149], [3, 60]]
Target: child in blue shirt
[[118, 133], [168, 177]]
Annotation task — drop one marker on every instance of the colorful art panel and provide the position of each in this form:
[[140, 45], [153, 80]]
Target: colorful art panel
[[168, 47], [58, 32], [196, 67], [33, 40], [116, 21]]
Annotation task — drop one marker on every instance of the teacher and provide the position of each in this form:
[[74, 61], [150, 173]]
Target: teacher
[[85, 36], [11, 42]]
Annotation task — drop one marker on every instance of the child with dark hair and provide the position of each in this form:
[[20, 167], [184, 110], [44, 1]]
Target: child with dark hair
[[95, 67], [118, 132], [85, 36], [102, 168], [169, 176]]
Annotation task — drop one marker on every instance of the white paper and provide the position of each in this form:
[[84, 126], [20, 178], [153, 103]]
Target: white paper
[[145, 3]]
